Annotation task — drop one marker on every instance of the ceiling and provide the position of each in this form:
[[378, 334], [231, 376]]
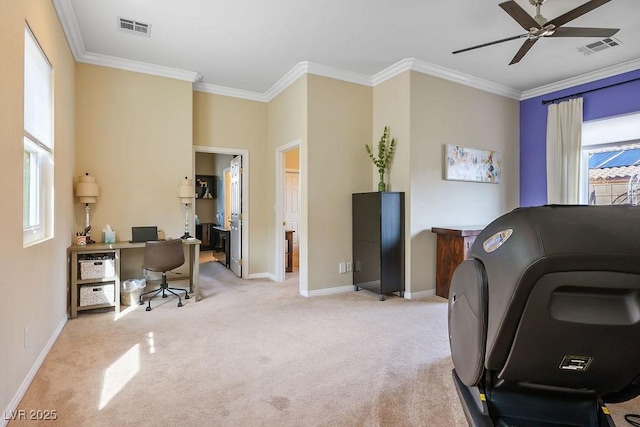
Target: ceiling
[[249, 45]]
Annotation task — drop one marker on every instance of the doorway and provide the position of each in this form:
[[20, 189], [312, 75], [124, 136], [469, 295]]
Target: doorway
[[290, 234], [233, 202], [292, 216]]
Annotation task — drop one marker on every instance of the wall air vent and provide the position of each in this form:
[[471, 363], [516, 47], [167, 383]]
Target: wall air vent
[[599, 45], [134, 27]]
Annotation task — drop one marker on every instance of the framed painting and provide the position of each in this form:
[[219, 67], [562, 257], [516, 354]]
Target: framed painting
[[472, 164], [206, 187]]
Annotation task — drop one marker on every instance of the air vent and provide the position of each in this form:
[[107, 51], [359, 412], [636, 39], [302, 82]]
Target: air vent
[[134, 27], [599, 45]]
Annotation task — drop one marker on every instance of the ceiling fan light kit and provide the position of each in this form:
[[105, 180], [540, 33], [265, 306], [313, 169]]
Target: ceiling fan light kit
[[538, 26]]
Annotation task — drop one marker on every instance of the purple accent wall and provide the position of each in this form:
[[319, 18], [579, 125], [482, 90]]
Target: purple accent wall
[[609, 102]]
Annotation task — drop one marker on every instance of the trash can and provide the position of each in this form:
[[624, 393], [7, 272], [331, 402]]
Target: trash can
[[130, 291]]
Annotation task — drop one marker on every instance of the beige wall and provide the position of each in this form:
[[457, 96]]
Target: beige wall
[[424, 114], [392, 108], [134, 134], [443, 113], [232, 123], [205, 164], [340, 123], [287, 118], [33, 285]]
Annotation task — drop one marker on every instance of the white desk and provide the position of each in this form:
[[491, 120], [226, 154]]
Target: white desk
[[115, 251]]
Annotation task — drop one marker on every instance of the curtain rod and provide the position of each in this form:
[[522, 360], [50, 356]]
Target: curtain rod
[[551, 101]]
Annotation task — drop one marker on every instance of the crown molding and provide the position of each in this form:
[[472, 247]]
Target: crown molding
[[308, 67], [603, 73], [338, 74], [424, 67], [465, 79], [392, 71], [298, 70], [139, 67], [227, 91], [69, 23]]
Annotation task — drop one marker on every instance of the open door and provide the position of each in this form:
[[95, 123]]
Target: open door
[[236, 216], [292, 217]]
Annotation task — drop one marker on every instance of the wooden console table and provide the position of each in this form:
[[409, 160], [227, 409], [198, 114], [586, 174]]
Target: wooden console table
[[452, 247], [111, 253]]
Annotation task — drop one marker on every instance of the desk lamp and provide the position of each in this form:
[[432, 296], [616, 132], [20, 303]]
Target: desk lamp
[[186, 193], [87, 192]]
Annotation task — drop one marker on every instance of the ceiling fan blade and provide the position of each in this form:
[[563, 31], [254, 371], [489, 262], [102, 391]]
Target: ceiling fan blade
[[528, 44], [491, 43], [514, 10], [577, 12], [584, 32]]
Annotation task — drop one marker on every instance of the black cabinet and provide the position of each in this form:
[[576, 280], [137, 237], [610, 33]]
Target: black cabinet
[[378, 242], [214, 237], [205, 235]]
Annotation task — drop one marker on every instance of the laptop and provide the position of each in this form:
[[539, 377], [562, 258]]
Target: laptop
[[143, 234]]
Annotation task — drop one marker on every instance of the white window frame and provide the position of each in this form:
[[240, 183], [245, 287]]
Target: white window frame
[[609, 132], [38, 144]]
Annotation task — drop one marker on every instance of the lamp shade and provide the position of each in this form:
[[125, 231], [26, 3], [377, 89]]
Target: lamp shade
[[87, 189], [186, 190]]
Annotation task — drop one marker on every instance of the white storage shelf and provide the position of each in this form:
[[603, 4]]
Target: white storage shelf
[[94, 279]]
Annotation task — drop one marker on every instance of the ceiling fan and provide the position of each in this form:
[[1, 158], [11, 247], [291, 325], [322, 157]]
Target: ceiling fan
[[538, 26]]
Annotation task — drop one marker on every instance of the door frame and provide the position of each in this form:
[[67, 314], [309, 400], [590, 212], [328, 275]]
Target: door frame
[[245, 223], [279, 267]]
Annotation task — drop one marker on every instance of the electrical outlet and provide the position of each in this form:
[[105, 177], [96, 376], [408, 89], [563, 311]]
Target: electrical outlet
[[349, 266], [26, 337], [342, 268]]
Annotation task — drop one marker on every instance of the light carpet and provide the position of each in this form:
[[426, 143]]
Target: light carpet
[[255, 353]]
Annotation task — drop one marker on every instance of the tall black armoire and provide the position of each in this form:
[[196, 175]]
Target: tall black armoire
[[378, 242]]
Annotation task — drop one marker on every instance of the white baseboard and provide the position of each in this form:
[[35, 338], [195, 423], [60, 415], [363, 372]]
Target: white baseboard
[[349, 288], [262, 276], [13, 405], [328, 291], [420, 294]]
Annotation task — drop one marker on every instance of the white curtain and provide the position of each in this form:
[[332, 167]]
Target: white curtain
[[564, 135]]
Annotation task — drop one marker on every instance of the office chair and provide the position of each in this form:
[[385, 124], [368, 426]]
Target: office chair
[[162, 256], [544, 317]]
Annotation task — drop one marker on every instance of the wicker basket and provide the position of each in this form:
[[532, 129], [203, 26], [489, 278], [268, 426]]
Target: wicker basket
[[97, 294], [97, 268]]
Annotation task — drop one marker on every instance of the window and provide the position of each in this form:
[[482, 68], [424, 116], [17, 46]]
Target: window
[[37, 211], [610, 159]]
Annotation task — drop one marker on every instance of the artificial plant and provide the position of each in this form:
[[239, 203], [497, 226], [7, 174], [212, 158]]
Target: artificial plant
[[385, 154]]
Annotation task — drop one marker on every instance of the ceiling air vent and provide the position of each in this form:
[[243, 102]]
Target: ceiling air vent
[[599, 45], [134, 27]]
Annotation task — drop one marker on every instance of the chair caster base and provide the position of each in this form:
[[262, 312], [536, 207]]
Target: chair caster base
[[148, 309], [187, 296], [180, 304]]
